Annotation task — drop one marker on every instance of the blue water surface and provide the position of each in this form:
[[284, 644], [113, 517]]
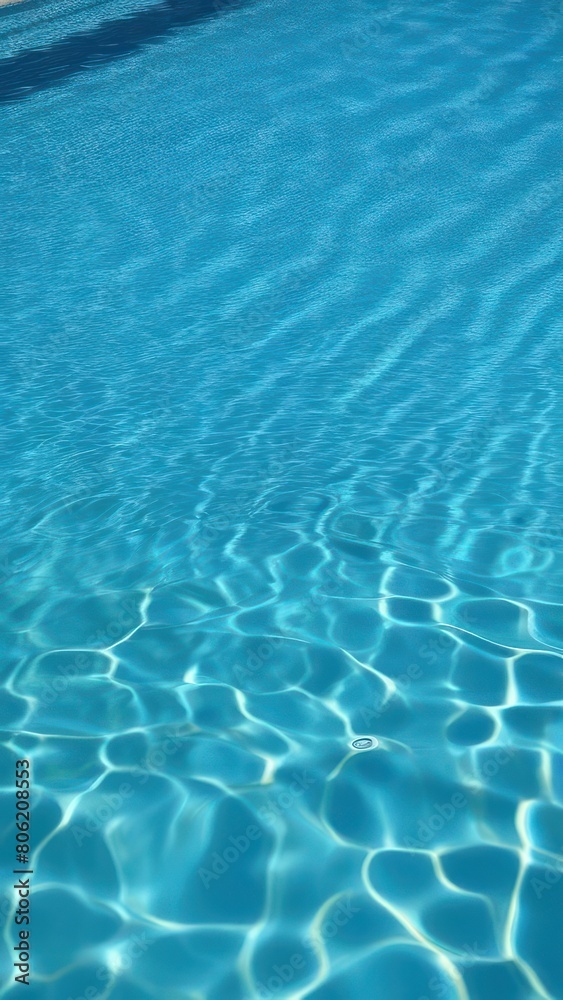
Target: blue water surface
[[282, 467]]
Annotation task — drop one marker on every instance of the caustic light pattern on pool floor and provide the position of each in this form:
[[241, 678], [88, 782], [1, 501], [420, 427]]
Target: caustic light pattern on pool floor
[[282, 478]]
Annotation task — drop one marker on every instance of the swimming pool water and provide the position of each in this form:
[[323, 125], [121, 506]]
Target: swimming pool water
[[282, 469]]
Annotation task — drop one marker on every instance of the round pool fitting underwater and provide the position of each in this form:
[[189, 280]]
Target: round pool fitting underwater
[[365, 743]]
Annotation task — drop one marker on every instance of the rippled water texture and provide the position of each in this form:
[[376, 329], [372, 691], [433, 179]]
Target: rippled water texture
[[282, 470]]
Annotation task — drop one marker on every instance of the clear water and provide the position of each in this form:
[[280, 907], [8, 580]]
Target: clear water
[[282, 467]]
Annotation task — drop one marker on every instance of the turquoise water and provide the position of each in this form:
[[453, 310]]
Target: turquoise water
[[282, 467]]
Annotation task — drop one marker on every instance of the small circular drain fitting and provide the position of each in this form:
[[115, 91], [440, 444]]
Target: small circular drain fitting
[[364, 743]]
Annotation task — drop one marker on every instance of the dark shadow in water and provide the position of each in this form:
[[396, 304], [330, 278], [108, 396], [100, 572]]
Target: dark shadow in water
[[36, 69]]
